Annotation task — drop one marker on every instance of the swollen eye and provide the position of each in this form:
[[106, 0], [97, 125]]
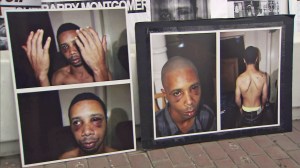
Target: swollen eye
[[195, 87], [97, 119]]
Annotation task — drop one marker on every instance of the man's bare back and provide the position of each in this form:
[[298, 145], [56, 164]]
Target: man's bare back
[[252, 86]]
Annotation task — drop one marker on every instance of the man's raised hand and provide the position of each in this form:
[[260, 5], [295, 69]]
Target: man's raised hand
[[38, 55], [93, 51]]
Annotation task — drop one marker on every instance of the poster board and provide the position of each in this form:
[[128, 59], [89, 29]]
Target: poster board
[[42, 111], [213, 46]]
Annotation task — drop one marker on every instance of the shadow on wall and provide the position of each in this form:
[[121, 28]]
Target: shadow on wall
[[120, 57], [119, 130]]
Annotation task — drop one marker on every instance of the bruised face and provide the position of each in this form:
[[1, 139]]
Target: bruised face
[[183, 91], [88, 124], [69, 48]]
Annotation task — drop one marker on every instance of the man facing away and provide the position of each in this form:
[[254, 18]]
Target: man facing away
[[184, 113], [79, 46], [251, 91], [88, 120]]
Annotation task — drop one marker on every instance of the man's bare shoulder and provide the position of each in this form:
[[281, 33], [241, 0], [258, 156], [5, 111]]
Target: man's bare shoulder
[[262, 74], [259, 76], [70, 154], [242, 77], [63, 71], [60, 75], [108, 149]]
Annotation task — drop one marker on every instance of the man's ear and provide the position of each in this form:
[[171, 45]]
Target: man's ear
[[163, 91], [244, 60]]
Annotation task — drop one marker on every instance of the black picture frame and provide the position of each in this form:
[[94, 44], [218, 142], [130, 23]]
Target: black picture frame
[[281, 120]]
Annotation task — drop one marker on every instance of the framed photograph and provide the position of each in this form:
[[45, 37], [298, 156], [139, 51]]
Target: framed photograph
[[214, 79], [85, 106]]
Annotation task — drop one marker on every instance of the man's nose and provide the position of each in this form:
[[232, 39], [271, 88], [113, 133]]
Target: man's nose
[[73, 49], [87, 130], [188, 99]]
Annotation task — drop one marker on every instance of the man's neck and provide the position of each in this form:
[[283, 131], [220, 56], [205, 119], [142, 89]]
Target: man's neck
[[251, 67], [79, 71], [100, 150], [184, 125]]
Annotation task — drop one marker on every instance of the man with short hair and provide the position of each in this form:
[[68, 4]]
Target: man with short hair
[[251, 91], [88, 122], [79, 46], [184, 112]]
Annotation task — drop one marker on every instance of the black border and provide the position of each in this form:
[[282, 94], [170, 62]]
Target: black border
[[143, 30]]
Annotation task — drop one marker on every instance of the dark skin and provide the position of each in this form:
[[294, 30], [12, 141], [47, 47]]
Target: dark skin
[[76, 46], [183, 92], [88, 125]]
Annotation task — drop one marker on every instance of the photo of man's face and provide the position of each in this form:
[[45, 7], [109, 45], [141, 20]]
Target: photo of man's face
[[182, 90], [69, 48], [88, 124]]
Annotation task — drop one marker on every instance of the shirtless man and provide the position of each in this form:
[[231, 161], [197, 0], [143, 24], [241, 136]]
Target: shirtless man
[[87, 115], [184, 112], [78, 46], [251, 91]]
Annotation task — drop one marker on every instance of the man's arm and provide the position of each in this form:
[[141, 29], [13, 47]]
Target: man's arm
[[38, 56], [93, 51], [265, 92], [238, 99]]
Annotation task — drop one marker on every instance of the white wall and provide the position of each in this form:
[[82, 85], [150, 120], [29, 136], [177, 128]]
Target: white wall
[[296, 71], [260, 40], [115, 29], [119, 97], [8, 118], [9, 136]]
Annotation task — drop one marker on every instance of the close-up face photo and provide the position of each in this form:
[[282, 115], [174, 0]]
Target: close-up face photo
[[69, 48], [88, 123], [183, 91]]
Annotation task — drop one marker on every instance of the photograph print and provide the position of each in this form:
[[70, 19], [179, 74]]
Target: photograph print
[[179, 10], [60, 125], [250, 66], [250, 8], [184, 88], [51, 48], [3, 37]]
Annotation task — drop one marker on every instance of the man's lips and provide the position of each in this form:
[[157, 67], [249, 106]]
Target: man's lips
[[89, 144], [74, 59], [190, 112]]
